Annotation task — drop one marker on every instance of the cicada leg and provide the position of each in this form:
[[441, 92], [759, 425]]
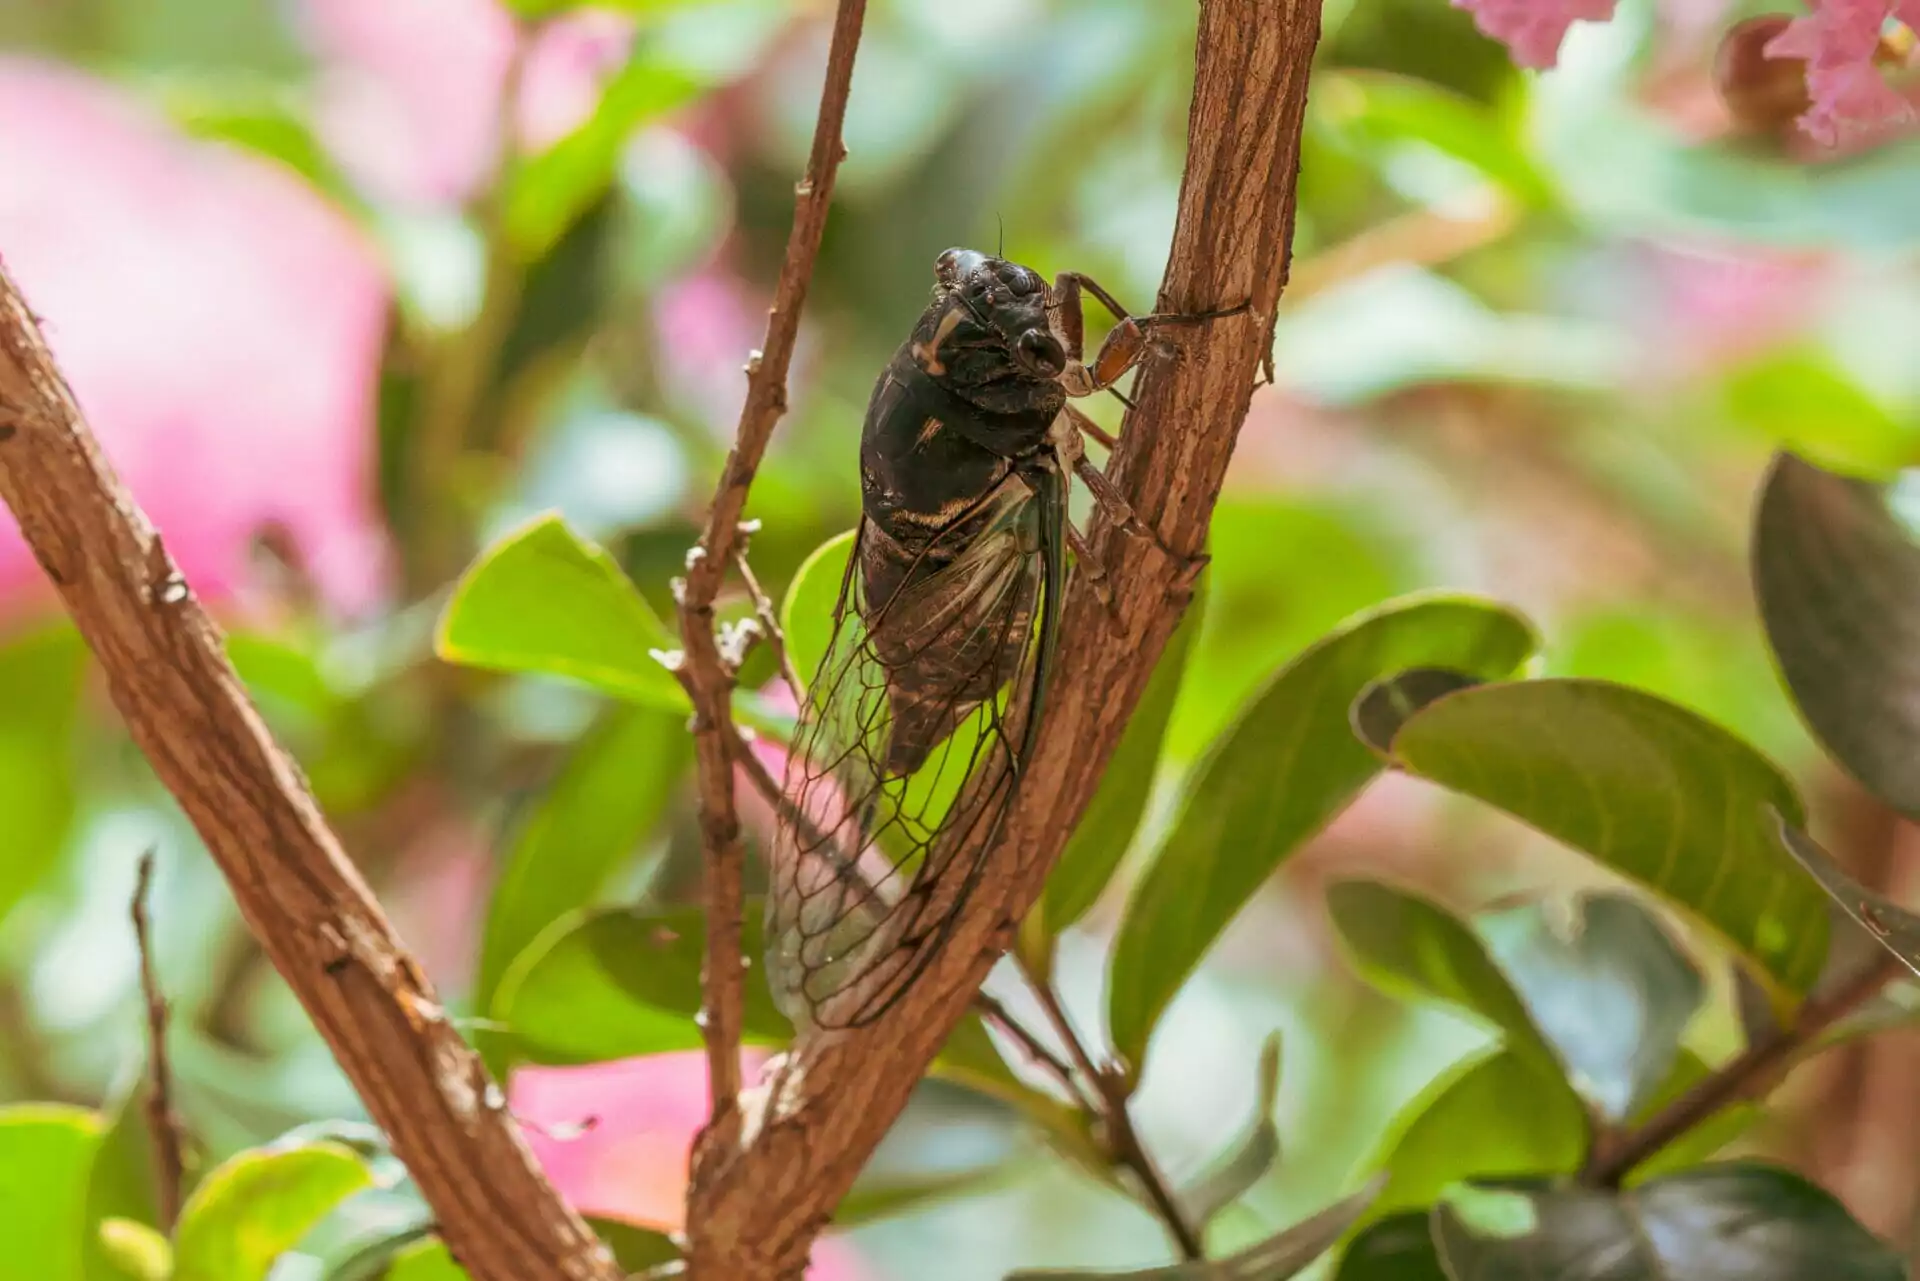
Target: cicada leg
[[1126, 344]]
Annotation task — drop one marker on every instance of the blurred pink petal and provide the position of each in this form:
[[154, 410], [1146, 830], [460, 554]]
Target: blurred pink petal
[[630, 1161], [1718, 304], [1533, 29], [707, 326], [219, 323], [410, 93], [1838, 42]]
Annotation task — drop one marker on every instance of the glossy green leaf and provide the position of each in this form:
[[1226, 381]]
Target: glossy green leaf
[[1112, 817], [1737, 1222], [1411, 947], [1646, 788], [1248, 1158], [1608, 988], [610, 794], [45, 1153], [806, 615], [621, 982], [1283, 1255], [1273, 780], [135, 1250], [1896, 928], [547, 192], [1836, 568], [1397, 1248], [258, 1205], [1495, 1113], [544, 600], [40, 674]]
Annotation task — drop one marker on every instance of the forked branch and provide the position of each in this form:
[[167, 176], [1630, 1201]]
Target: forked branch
[[755, 1204]]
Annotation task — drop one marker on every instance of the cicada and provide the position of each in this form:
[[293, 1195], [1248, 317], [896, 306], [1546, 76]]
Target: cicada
[[915, 732]]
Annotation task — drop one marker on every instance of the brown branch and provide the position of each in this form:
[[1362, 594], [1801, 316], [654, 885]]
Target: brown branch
[[755, 1206], [165, 666], [1747, 1075], [708, 677], [162, 1123]]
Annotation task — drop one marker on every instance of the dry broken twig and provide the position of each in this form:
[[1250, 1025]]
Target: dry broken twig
[[166, 668], [162, 1123], [703, 669], [755, 1204]]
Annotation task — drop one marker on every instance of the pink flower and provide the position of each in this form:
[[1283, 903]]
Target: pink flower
[[619, 1135], [1839, 41], [410, 93], [220, 325], [1533, 29]]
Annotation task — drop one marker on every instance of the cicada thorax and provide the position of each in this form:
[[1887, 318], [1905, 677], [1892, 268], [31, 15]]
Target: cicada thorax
[[955, 432]]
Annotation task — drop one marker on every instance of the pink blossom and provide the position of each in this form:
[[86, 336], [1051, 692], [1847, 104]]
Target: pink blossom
[[619, 1134], [1533, 29], [707, 325], [410, 93], [1838, 42], [220, 325]]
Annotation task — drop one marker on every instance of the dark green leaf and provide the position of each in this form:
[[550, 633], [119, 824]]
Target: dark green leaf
[[1494, 1114], [1896, 928], [45, 1152], [634, 1248], [1384, 706], [1397, 1248], [40, 675], [1274, 779], [1410, 947], [546, 193], [1107, 828], [544, 600], [258, 1205], [1285, 1254], [1247, 1160], [621, 982], [1646, 788], [609, 796], [1744, 1222], [1836, 569], [1608, 988]]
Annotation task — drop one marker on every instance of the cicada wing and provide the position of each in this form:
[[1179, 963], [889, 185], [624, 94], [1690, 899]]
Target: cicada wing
[[908, 748]]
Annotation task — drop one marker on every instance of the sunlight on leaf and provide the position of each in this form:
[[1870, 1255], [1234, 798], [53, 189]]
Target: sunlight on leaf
[[45, 1150], [258, 1205]]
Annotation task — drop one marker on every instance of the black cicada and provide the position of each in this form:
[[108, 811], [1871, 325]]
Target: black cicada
[[914, 733]]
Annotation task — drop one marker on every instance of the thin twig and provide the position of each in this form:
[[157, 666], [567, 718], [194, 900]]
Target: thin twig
[[1747, 1075], [166, 668], [1123, 1141], [706, 675], [769, 617], [168, 1167]]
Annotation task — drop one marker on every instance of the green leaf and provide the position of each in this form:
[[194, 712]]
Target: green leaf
[[258, 1205], [261, 116], [806, 615], [1384, 706], [1276, 777], [120, 1176], [1609, 989], [1379, 109], [1283, 1255], [136, 1250], [1247, 1160], [1397, 1248], [1493, 1114], [1836, 568], [1896, 928], [1410, 947], [45, 1152], [1706, 1138], [546, 193], [634, 1248], [611, 793], [40, 674], [1112, 818], [1646, 788], [426, 1261], [546, 601], [1737, 1222], [621, 982], [1801, 399]]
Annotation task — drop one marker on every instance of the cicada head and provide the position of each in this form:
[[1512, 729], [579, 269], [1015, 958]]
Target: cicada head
[[991, 315]]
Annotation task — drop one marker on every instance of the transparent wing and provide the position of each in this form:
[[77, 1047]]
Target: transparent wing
[[908, 749]]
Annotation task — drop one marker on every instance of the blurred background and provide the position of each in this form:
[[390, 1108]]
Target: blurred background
[[349, 287]]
